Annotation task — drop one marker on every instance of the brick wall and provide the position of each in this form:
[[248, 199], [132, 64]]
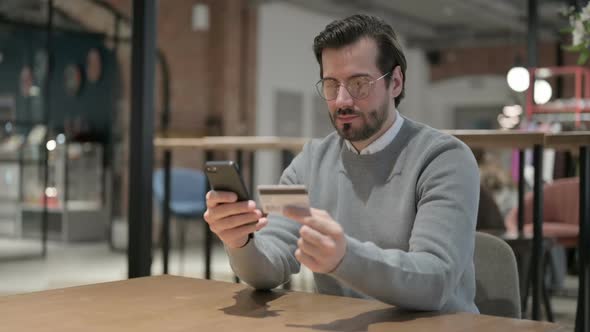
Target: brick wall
[[495, 60], [487, 60], [212, 75]]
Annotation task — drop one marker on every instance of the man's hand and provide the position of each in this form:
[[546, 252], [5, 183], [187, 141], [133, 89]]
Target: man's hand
[[232, 221], [322, 244]]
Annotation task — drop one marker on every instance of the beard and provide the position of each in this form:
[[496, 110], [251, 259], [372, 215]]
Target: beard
[[372, 122]]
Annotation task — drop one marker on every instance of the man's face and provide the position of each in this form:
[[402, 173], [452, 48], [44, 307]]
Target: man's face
[[359, 120]]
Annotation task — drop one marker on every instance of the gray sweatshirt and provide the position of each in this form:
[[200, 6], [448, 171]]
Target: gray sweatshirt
[[409, 213]]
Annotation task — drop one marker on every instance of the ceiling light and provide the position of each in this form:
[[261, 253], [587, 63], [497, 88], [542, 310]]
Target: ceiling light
[[543, 92], [518, 79], [51, 145], [512, 110]]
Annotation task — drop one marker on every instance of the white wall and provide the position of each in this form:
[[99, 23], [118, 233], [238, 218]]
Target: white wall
[[285, 61], [415, 104], [446, 95]]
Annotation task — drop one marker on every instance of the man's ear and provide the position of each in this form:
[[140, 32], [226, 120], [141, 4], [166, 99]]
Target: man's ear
[[397, 81]]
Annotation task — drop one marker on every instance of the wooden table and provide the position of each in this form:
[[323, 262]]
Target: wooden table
[[167, 303], [232, 143], [499, 139], [580, 140]]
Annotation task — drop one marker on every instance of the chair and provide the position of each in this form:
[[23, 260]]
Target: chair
[[561, 208], [496, 276], [188, 188]]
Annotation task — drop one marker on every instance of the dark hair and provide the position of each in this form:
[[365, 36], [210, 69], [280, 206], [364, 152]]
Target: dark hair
[[349, 30]]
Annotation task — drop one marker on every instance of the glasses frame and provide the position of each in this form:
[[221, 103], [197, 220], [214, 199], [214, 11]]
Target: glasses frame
[[319, 88]]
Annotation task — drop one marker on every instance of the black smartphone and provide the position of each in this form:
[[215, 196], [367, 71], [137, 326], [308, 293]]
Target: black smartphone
[[225, 176]]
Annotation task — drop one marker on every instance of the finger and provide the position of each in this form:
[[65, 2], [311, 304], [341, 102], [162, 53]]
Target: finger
[[306, 260], [262, 222], [229, 209], [323, 223], [233, 234], [312, 236], [296, 213], [215, 198], [236, 220], [310, 249]]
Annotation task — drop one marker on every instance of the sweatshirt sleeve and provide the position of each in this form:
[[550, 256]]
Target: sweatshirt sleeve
[[268, 260], [441, 243]]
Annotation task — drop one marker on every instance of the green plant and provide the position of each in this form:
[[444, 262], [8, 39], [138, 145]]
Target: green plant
[[579, 28]]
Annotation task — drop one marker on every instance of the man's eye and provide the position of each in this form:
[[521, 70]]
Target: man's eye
[[330, 84], [357, 83]]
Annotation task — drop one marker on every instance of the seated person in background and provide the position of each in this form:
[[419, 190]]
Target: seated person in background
[[497, 183], [500, 184], [489, 217], [394, 201]]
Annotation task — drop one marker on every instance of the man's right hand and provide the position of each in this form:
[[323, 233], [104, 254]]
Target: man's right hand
[[230, 220]]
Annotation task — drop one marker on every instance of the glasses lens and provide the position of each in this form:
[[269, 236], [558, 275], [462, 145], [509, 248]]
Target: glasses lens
[[328, 89], [359, 87], [319, 87]]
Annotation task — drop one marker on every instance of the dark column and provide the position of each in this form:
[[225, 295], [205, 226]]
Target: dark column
[[117, 32], [521, 191], [583, 310], [537, 254], [532, 33], [208, 233], [166, 210], [46, 119], [143, 63]]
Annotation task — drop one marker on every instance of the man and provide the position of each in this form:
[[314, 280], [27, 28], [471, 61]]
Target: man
[[394, 201]]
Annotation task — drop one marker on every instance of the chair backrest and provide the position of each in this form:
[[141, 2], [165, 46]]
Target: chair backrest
[[186, 185], [561, 204], [496, 275]]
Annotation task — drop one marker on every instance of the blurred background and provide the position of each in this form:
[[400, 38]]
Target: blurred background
[[241, 68]]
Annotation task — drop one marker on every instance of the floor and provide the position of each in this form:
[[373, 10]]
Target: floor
[[22, 269]]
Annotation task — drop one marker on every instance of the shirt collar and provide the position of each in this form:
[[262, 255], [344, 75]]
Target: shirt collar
[[381, 142]]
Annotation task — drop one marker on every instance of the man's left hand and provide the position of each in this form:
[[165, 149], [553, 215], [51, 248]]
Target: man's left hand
[[322, 244]]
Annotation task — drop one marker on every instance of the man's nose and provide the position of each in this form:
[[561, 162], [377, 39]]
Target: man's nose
[[343, 98]]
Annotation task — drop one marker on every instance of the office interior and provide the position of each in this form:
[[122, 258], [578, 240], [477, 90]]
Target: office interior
[[82, 150]]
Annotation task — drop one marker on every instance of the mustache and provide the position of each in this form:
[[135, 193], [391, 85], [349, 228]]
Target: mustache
[[346, 111]]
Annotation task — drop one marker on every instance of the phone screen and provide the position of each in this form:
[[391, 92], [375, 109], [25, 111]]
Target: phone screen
[[225, 176]]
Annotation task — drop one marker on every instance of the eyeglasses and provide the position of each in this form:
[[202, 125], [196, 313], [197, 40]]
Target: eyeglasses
[[358, 87]]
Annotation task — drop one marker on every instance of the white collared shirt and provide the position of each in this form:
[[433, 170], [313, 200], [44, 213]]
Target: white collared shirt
[[383, 141]]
